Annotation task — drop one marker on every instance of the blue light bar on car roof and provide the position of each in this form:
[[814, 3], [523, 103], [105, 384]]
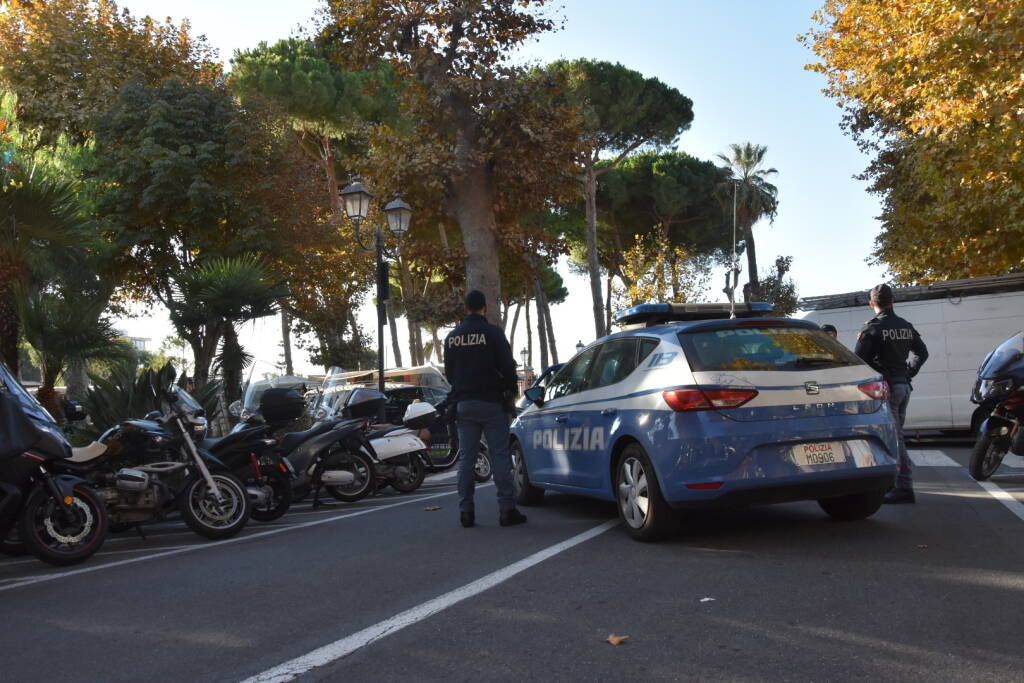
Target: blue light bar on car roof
[[654, 314]]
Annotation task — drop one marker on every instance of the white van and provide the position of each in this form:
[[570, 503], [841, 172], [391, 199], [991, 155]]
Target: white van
[[961, 321]]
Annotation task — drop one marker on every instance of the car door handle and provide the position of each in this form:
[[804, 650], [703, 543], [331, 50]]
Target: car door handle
[[607, 412], [561, 419]]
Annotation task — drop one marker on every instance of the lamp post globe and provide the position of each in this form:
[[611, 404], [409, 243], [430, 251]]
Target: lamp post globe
[[357, 201], [524, 354], [399, 215], [579, 346]]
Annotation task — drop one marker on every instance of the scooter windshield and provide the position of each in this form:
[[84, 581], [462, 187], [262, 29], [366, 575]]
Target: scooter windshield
[[1006, 355], [334, 392]]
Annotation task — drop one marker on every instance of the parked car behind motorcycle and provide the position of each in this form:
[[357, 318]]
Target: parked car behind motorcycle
[[143, 469], [999, 389], [56, 517]]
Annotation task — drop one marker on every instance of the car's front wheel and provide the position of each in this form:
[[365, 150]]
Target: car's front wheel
[[525, 492], [854, 506], [641, 506]]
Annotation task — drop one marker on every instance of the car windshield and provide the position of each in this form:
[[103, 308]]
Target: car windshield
[[764, 348], [1006, 354]]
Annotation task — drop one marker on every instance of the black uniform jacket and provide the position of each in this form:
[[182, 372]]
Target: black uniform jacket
[[478, 361], [886, 342]]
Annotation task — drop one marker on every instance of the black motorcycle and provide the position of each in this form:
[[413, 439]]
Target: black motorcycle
[[145, 468], [56, 517], [999, 390]]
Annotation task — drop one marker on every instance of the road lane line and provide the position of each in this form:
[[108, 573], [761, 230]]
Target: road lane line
[[1011, 503], [931, 458], [346, 646], [218, 544]]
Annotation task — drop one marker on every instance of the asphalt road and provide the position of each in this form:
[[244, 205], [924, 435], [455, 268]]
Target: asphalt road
[[389, 590]]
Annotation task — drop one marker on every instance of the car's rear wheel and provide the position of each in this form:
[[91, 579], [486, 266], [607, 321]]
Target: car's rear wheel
[[525, 492], [854, 506], [641, 506]]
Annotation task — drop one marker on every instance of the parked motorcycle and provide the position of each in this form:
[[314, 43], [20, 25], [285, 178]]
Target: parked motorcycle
[[399, 452], [999, 389], [56, 517], [144, 468]]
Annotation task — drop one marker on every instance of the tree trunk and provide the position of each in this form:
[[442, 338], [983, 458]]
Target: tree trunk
[[608, 305], [232, 371], [542, 325], [550, 326], [393, 327], [437, 346], [76, 380], [750, 293], [529, 336], [472, 203], [286, 342], [512, 330], [590, 187], [204, 348], [414, 349]]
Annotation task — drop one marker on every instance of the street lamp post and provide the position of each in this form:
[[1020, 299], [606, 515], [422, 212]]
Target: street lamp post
[[580, 346], [356, 199], [523, 355]]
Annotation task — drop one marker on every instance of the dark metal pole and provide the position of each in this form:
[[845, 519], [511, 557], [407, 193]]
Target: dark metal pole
[[381, 294]]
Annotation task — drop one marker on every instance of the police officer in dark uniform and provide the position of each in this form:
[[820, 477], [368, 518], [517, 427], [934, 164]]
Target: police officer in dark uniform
[[885, 343], [479, 365]]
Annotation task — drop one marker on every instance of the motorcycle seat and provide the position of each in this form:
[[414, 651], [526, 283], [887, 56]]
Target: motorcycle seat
[[87, 453], [385, 431], [219, 443], [291, 440]]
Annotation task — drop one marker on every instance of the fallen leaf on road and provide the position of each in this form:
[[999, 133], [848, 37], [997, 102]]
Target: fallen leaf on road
[[922, 545], [617, 640], [708, 599], [431, 508]]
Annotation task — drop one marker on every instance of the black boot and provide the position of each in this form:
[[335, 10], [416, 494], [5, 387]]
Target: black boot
[[468, 519], [897, 496], [511, 517]]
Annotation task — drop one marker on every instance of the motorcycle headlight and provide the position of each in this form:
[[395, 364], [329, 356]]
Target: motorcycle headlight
[[996, 389], [199, 425]]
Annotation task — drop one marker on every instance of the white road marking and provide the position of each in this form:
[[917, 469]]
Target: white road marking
[[102, 553], [218, 544], [1014, 461], [346, 646], [1008, 501], [931, 458]]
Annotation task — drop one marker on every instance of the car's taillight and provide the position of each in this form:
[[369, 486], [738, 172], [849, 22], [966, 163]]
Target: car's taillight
[[877, 390], [685, 400]]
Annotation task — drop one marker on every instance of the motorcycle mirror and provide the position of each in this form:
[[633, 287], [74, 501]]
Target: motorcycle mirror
[[235, 408], [73, 411]]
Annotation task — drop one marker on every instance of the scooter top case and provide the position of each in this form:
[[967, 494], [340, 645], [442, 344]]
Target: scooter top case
[[419, 415]]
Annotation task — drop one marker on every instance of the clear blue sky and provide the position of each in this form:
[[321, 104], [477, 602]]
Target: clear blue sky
[[740, 63]]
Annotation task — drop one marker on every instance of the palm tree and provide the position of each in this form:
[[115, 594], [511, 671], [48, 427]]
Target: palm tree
[[208, 303], [64, 326], [756, 198], [40, 221]]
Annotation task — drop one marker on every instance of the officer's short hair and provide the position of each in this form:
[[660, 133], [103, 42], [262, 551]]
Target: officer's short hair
[[829, 328], [475, 300], [882, 295]]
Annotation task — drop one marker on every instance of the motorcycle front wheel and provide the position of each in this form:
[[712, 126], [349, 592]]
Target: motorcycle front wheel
[[988, 455], [60, 535], [361, 467], [413, 473], [279, 486], [211, 518]]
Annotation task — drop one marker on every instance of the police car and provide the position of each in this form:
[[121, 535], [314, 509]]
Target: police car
[[688, 408]]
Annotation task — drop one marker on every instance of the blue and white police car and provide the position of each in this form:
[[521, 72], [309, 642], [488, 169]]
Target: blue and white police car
[[687, 408]]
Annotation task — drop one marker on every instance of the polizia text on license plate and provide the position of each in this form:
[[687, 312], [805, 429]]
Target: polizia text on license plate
[[811, 454]]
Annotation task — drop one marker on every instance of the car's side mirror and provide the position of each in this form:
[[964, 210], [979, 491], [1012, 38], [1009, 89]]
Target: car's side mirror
[[535, 395]]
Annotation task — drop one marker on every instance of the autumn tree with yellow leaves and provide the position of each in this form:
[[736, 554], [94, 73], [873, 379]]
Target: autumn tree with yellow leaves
[[934, 90]]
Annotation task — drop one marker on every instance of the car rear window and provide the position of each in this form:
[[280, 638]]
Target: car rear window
[[764, 348]]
